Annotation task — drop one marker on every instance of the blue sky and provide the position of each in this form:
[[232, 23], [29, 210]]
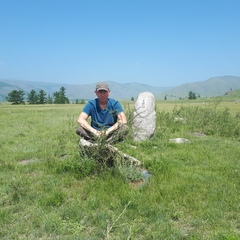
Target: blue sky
[[156, 42]]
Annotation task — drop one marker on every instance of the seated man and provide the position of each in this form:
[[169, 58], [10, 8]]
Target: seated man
[[107, 117]]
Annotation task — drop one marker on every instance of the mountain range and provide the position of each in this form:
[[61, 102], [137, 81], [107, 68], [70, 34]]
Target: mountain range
[[215, 86]]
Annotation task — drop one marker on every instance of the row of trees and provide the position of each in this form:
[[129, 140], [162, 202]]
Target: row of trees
[[191, 96], [17, 97]]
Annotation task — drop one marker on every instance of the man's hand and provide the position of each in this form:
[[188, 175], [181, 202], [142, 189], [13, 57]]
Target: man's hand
[[113, 128], [97, 133]]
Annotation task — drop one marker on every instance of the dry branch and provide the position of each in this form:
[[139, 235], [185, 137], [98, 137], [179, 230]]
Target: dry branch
[[111, 149]]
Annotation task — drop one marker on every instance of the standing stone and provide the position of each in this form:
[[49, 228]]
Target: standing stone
[[144, 117]]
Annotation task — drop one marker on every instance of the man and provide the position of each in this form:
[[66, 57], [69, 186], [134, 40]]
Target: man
[[107, 117]]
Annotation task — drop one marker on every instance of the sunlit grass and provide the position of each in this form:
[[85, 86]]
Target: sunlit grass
[[50, 190]]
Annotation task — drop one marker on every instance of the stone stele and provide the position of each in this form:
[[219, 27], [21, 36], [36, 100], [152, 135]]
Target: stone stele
[[144, 117]]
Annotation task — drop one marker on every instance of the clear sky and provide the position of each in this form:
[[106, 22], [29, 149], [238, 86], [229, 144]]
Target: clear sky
[[156, 42]]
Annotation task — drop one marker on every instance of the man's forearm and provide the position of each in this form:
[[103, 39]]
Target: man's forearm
[[114, 127], [87, 126]]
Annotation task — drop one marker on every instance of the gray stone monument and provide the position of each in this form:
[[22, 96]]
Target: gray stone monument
[[144, 117]]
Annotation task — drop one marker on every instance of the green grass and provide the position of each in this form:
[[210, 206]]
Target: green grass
[[232, 95], [193, 191]]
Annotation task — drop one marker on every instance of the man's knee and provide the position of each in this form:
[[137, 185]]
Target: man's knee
[[82, 132], [77, 131], [124, 129]]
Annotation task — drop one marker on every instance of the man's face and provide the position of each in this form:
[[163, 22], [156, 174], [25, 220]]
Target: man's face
[[102, 95]]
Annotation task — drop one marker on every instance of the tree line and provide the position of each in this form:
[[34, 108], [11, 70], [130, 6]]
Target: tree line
[[191, 96], [33, 97]]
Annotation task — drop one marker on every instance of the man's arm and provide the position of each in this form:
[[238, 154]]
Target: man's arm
[[121, 121], [122, 118], [82, 121]]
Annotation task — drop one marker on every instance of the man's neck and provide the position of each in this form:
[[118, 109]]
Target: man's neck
[[102, 104]]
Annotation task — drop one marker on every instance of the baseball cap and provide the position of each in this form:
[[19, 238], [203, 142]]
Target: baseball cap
[[102, 86]]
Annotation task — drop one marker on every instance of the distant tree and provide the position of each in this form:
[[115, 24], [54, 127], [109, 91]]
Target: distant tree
[[132, 99], [165, 98], [194, 96], [16, 97], [49, 99], [191, 95], [82, 101], [32, 97], [63, 95], [60, 96], [76, 101], [56, 97], [42, 97]]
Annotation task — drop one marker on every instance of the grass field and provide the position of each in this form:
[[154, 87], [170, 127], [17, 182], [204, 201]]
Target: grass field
[[50, 190]]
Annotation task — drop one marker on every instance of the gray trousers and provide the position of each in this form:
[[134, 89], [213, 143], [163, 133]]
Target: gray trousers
[[114, 136]]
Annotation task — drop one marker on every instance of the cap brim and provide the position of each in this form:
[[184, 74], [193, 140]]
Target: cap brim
[[105, 89]]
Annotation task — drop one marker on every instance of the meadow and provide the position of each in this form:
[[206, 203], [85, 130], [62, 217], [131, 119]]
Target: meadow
[[49, 189]]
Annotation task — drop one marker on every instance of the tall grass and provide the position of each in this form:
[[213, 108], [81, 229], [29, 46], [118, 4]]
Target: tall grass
[[49, 189], [203, 119]]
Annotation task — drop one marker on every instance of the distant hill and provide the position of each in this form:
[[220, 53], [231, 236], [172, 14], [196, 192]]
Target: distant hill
[[83, 91], [232, 95], [216, 86]]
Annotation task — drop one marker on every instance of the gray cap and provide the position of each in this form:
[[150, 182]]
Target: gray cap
[[102, 86]]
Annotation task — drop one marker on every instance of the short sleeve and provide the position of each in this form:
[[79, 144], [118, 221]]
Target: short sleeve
[[87, 108]]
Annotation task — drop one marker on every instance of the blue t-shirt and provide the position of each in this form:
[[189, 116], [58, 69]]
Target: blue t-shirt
[[102, 119]]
